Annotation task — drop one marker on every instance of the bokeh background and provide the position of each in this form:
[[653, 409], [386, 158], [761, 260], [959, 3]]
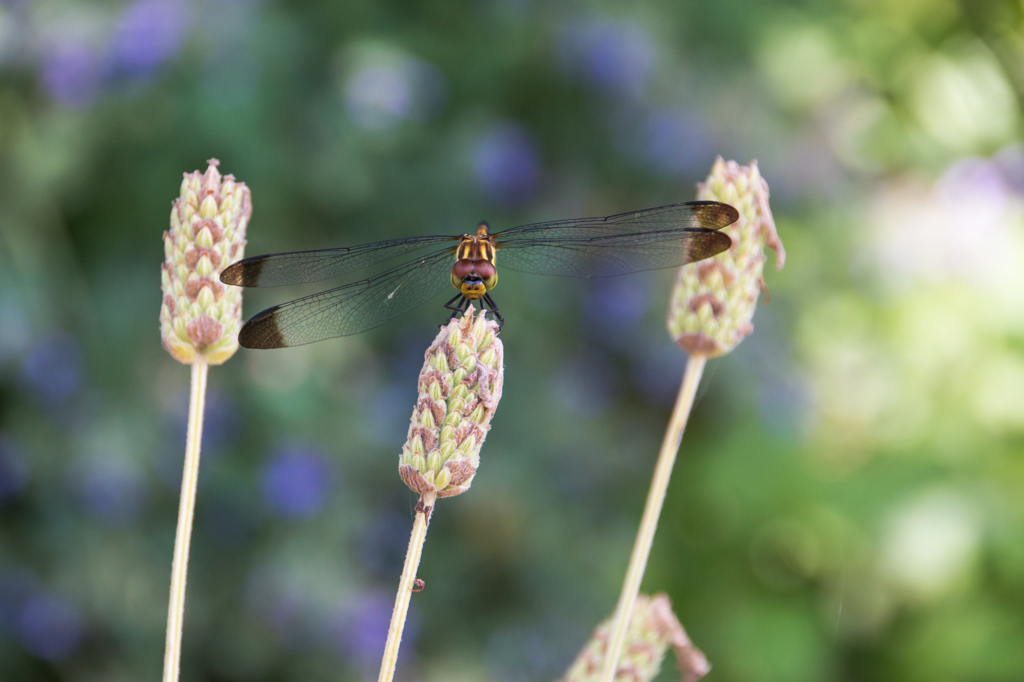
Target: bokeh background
[[848, 500]]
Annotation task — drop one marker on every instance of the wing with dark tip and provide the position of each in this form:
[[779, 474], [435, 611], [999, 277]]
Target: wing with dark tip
[[300, 267], [352, 308], [654, 238]]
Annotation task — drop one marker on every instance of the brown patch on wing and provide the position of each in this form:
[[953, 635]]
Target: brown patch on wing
[[713, 215], [706, 245], [262, 332], [244, 273]]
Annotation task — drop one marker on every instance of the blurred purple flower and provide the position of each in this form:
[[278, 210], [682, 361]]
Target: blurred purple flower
[[378, 97], [72, 73], [382, 543], [149, 33], [50, 627], [674, 142], [112, 489], [359, 629], [506, 164], [921, 235], [13, 470], [615, 307], [296, 482], [1010, 161], [15, 336], [292, 621], [277, 597], [220, 423], [15, 588], [220, 427], [53, 368], [615, 56], [978, 182], [387, 411], [583, 385], [657, 368], [392, 87]]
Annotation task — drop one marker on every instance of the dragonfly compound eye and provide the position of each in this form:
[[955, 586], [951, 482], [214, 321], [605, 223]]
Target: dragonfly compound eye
[[487, 273], [462, 269]]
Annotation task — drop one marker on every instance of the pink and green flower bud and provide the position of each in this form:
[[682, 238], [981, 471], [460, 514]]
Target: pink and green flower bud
[[200, 317], [714, 299], [652, 629], [459, 389]]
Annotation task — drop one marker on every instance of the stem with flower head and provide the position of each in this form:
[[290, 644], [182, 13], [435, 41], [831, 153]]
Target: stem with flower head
[[459, 388], [405, 586], [652, 510], [186, 509]]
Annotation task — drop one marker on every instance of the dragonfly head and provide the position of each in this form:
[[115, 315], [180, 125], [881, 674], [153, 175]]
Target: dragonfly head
[[474, 278]]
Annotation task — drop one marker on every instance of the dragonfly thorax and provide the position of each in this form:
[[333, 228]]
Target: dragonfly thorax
[[474, 273]]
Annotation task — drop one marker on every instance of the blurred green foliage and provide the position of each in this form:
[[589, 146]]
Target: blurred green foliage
[[848, 499]]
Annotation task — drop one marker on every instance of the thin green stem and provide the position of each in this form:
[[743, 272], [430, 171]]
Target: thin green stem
[[652, 510], [186, 510], [405, 587]]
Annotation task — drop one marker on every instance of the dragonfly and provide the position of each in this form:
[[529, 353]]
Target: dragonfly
[[649, 239]]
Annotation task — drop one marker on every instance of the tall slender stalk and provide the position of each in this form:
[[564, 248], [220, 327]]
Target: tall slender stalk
[[405, 586], [186, 511], [652, 510]]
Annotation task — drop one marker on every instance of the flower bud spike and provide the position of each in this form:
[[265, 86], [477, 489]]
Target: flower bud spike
[[460, 342], [714, 299], [202, 230], [653, 628]]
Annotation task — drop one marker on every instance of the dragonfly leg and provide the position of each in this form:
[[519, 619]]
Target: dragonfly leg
[[456, 306], [494, 309], [454, 299]]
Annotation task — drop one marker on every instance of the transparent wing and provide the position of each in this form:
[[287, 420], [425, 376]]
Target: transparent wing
[[352, 308], [654, 238], [300, 267]]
